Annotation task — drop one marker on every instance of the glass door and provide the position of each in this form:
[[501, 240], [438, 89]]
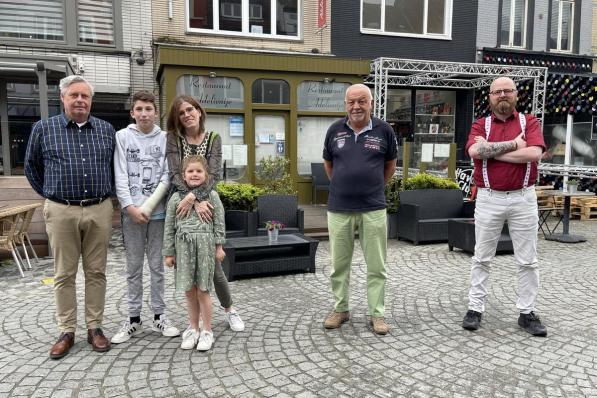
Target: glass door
[[271, 131]]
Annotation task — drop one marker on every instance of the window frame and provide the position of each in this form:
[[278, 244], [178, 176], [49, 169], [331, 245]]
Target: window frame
[[64, 41], [71, 31], [447, 35], [558, 48], [511, 31], [97, 45], [245, 18]]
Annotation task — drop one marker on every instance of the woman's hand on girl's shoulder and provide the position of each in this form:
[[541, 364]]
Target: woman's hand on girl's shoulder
[[186, 204], [204, 210]]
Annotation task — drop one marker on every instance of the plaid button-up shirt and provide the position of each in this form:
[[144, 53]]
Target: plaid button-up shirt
[[68, 162]]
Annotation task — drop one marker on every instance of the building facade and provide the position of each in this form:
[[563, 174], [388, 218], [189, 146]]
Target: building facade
[[557, 35], [264, 73], [108, 42]]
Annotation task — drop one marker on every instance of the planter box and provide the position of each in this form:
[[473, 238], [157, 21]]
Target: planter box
[[240, 223], [392, 225]]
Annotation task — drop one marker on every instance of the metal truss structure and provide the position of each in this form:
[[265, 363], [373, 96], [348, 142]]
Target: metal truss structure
[[395, 72], [553, 169]]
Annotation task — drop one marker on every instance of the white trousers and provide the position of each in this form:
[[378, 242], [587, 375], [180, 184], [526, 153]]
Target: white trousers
[[492, 209]]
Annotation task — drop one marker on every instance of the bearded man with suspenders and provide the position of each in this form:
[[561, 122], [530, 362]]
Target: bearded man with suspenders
[[506, 147]]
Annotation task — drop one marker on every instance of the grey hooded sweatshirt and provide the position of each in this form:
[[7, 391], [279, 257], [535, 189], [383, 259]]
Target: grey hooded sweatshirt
[[139, 166]]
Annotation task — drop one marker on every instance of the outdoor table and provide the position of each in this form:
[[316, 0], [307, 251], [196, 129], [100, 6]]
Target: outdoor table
[[565, 237], [256, 255]]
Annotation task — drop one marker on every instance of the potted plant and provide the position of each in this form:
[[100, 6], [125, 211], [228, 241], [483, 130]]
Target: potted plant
[[572, 185], [392, 190], [239, 201], [273, 228]]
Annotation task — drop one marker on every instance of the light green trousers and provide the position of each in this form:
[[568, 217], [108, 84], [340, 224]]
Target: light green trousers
[[373, 238]]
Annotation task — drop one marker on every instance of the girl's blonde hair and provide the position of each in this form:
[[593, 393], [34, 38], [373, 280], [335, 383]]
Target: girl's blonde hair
[[195, 159]]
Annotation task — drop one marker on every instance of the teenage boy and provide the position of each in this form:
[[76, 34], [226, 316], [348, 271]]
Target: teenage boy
[[142, 179]]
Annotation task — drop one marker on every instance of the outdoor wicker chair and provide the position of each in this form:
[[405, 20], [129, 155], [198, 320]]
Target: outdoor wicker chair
[[319, 180], [283, 208]]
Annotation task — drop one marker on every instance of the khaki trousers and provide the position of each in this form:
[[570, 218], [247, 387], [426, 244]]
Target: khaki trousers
[[76, 231]]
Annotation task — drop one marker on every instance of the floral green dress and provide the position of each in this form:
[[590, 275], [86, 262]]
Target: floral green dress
[[193, 242]]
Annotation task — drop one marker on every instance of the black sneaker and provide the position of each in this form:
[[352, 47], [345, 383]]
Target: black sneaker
[[472, 320], [532, 324]]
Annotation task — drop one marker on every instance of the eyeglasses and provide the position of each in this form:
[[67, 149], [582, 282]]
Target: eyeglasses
[[507, 92], [190, 109]]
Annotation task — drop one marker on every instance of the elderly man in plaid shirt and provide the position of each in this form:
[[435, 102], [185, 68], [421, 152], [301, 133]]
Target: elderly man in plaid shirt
[[69, 162]]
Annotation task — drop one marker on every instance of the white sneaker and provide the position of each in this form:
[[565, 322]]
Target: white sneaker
[[206, 340], [127, 331], [236, 324], [165, 327], [189, 339]]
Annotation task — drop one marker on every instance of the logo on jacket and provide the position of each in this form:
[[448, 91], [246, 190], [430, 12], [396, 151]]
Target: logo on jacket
[[340, 143]]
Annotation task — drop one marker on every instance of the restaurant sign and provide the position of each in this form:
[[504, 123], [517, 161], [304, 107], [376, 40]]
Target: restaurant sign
[[314, 96], [212, 92]]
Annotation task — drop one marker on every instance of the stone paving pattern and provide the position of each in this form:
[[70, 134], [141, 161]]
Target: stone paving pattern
[[285, 352]]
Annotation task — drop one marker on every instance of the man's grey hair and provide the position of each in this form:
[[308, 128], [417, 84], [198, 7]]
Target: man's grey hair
[[72, 79]]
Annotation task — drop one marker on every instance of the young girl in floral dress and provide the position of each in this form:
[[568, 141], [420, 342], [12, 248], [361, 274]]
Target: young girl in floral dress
[[193, 246]]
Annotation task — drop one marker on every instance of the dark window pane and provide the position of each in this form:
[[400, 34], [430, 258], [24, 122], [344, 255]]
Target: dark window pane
[[566, 45], [553, 29], [260, 16], [435, 16], [201, 14], [286, 15], [505, 28], [372, 14], [405, 16], [519, 22], [266, 91], [231, 15]]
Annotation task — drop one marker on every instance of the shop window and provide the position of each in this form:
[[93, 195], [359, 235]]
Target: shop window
[[562, 25], [268, 91], [314, 96], [399, 113], [96, 21], [234, 151], [213, 92], [30, 19], [514, 21], [311, 133], [418, 18], [245, 17]]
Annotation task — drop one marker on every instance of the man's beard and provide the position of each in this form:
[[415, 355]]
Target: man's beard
[[504, 107]]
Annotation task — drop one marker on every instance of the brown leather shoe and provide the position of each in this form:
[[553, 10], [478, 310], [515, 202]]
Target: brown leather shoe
[[379, 325], [336, 319], [62, 345], [96, 338]]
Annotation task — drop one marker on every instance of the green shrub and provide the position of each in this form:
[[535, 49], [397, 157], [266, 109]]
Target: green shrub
[[427, 181], [274, 173], [236, 196], [393, 188]]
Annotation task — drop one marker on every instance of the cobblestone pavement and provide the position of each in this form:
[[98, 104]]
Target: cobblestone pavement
[[285, 351]]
